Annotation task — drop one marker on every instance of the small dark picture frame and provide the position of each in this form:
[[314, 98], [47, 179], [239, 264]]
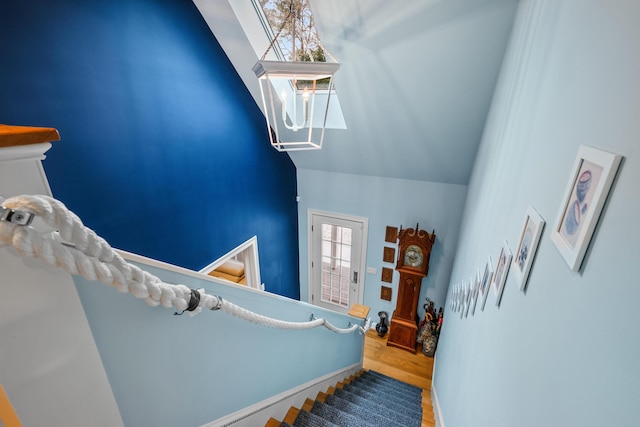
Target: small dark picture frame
[[387, 275], [389, 254], [385, 293], [391, 234]]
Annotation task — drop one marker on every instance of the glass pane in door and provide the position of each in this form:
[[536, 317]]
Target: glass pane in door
[[336, 264]]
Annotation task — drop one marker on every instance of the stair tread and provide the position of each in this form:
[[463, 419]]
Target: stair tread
[[373, 378], [291, 416], [366, 399], [358, 396], [307, 419], [273, 423], [308, 404], [378, 377], [396, 404], [388, 390], [375, 415], [378, 392], [337, 416]]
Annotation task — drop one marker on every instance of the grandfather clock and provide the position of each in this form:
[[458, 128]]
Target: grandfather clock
[[414, 250]]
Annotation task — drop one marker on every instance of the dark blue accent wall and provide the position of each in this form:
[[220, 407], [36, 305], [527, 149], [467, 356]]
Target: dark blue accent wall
[[163, 152]]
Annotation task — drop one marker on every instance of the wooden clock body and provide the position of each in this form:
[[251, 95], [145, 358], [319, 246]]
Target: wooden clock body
[[413, 264]]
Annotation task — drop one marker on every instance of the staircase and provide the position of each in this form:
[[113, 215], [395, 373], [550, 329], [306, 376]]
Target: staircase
[[364, 400]]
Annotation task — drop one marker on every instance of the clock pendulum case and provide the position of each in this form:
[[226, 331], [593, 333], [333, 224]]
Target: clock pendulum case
[[414, 249]]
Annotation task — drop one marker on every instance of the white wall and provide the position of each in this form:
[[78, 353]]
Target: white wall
[[565, 353], [384, 202], [49, 364]]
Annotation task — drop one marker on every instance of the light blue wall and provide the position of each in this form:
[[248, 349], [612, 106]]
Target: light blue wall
[[566, 352], [384, 202], [168, 370]]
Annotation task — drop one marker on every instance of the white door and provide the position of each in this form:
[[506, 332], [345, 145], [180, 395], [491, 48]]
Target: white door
[[337, 257]]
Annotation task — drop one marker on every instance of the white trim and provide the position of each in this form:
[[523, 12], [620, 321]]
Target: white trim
[[278, 405], [363, 251], [28, 153], [435, 403], [309, 253], [251, 263], [129, 256], [181, 270], [24, 152]]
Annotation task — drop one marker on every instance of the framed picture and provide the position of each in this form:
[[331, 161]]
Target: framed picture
[[589, 184], [476, 279], [391, 234], [485, 281], [502, 269], [468, 294], [385, 293], [389, 254], [527, 246], [465, 300], [452, 299], [387, 275], [475, 290]]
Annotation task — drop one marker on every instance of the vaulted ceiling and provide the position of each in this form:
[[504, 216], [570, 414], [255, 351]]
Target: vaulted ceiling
[[415, 83]]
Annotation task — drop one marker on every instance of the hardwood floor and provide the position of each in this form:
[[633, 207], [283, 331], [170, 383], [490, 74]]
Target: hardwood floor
[[415, 369]]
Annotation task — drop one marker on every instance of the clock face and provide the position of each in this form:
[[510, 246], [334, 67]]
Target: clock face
[[413, 256]]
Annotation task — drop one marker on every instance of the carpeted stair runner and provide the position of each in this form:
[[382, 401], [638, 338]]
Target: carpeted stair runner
[[370, 399]]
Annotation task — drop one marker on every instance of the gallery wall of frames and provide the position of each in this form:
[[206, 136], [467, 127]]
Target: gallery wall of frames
[[589, 184]]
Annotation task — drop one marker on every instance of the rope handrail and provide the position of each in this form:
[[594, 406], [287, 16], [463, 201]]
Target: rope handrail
[[78, 250]]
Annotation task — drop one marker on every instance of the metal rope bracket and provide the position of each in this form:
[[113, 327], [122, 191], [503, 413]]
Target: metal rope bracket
[[194, 302], [16, 217]]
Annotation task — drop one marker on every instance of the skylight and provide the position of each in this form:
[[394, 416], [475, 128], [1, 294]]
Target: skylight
[[303, 34], [261, 21]]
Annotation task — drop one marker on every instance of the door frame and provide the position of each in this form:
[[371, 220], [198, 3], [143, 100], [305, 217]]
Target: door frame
[[363, 252]]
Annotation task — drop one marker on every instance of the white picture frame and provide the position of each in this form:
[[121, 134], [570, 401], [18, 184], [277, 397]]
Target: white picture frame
[[456, 297], [589, 185], [466, 301], [528, 242], [503, 262], [475, 287], [452, 298], [485, 281]]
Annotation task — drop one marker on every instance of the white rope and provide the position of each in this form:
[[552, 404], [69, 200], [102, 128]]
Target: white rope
[[80, 251]]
